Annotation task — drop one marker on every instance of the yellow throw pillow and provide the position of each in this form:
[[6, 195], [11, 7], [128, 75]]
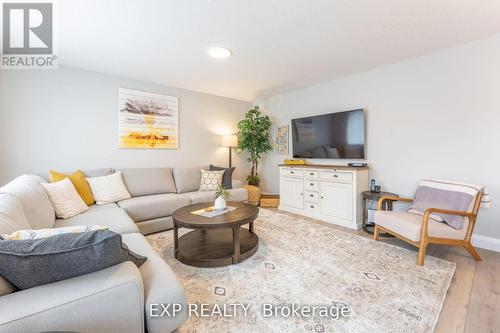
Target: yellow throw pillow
[[80, 183]]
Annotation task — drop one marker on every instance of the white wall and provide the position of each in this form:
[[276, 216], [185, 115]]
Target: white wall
[[66, 119], [436, 116]]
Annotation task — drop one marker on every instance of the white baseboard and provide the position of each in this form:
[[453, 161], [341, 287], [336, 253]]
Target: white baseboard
[[485, 242]]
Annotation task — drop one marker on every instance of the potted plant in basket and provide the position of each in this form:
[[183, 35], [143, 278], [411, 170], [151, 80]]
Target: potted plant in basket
[[221, 195], [253, 137]]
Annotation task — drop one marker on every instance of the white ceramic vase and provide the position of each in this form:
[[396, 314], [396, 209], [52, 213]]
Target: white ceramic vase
[[220, 203]]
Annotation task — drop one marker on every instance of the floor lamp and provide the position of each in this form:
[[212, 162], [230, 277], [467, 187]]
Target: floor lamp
[[230, 141]]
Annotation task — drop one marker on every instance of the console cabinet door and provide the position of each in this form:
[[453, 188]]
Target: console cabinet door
[[336, 199], [292, 192]]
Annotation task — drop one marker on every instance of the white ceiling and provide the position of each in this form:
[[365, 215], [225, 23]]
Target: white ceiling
[[278, 45]]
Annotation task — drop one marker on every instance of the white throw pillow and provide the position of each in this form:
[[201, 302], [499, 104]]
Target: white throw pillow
[[44, 233], [210, 180], [108, 189], [65, 199]]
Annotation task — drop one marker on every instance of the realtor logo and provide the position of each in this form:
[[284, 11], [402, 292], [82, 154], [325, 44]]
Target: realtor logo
[[27, 35]]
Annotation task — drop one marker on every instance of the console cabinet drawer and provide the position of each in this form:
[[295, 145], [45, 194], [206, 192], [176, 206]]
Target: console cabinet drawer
[[311, 196], [312, 207], [311, 174], [335, 175], [311, 185], [289, 172]]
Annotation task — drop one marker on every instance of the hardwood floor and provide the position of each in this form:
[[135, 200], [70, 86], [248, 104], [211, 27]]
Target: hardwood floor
[[474, 294]]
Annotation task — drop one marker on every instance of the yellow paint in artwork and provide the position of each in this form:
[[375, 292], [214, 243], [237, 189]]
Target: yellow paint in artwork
[[153, 138]]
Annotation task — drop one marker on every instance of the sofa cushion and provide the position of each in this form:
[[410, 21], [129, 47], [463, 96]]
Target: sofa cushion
[[155, 225], [236, 183], [114, 218], [105, 206], [409, 225], [161, 285], [33, 262], [153, 206], [237, 194], [12, 216], [34, 200], [147, 181], [187, 179]]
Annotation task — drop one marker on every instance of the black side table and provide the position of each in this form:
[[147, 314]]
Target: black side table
[[387, 205]]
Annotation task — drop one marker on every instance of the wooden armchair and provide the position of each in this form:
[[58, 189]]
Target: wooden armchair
[[420, 231]]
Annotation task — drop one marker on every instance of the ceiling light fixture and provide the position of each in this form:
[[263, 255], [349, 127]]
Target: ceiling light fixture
[[219, 52]]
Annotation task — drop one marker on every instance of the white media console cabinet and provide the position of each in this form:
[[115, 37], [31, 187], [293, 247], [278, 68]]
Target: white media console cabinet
[[328, 193]]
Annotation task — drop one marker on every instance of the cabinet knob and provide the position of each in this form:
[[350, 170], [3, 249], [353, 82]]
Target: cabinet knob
[[291, 172], [301, 193], [312, 174], [312, 206], [311, 195], [335, 176], [312, 184], [322, 198]]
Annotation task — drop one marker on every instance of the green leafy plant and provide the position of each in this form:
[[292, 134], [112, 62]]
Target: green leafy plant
[[253, 137], [221, 191]]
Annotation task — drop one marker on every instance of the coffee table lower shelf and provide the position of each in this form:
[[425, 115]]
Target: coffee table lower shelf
[[214, 247]]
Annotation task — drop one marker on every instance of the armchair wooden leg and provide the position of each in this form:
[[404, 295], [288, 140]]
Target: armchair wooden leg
[[375, 232], [472, 250], [421, 253]]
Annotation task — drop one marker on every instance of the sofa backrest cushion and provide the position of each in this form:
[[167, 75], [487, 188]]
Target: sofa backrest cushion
[[12, 217], [187, 179], [34, 200], [88, 173], [148, 181]]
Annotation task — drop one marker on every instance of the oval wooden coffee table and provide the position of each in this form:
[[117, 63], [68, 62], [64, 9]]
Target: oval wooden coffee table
[[215, 241]]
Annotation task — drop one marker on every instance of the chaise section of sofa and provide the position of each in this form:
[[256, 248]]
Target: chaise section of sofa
[[115, 299], [110, 300]]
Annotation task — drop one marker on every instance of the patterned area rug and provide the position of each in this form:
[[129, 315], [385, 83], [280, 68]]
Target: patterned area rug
[[308, 264]]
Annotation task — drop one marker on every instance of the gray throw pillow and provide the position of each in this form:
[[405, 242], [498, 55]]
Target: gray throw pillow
[[226, 177], [33, 262]]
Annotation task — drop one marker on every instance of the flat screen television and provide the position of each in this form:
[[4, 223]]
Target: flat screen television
[[339, 135]]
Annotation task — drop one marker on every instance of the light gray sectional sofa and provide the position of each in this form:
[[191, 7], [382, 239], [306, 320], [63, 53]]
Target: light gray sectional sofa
[[118, 298]]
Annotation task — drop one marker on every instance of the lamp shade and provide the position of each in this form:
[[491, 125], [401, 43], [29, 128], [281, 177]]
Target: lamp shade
[[230, 140]]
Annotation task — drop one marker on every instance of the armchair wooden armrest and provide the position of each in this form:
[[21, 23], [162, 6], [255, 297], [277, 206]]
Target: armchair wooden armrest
[[429, 211], [392, 198]]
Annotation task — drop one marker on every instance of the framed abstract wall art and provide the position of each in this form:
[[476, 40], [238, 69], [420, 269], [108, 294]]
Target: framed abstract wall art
[[282, 140], [147, 120]]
